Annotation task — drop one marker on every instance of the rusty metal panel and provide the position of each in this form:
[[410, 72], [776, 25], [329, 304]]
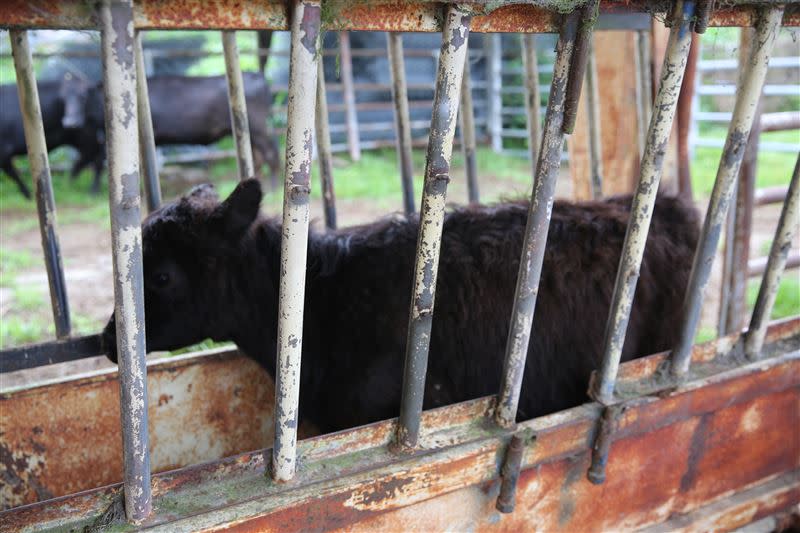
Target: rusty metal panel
[[670, 456], [64, 438], [380, 15]]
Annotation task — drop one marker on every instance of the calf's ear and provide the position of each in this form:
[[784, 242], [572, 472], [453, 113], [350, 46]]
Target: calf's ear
[[239, 210]]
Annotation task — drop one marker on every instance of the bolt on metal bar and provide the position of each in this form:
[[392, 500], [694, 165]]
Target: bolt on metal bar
[[240, 125], [580, 57], [644, 85], [467, 115], [394, 42], [294, 242], [595, 139], [530, 268], [607, 425], [119, 81], [349, 94], [748, 94], [147, 142], [40, 171], [324, 153], [510, 470], [455, 35], [494, 57], [680, 40], [532, 94], [778, 254]]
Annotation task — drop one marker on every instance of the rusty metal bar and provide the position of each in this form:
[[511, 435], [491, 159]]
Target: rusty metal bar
[[240, 125], [467, 115], [781, 121], [494, 70], [787, 225], [351, 116], [294, 242], [704, 9], [147, 143], [530, 267], [607, 425], [119, 82], [40, 171], [770, 195], [644, 86], [580, 58], [595, 138], [324, 153], [533, 102], [394, 42], [510, 471], [747, 98], [48, 353], [680, 40], [758, 266], [437, 175]]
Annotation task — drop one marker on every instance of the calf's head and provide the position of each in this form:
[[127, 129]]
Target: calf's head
[[191, 250], [74, 92]]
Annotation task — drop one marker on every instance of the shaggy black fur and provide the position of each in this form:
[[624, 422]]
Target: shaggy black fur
[[212, 270]]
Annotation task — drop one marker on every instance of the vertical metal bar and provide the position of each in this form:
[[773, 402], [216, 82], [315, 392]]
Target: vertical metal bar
[[727, 264], [324, 152], [494, 56], [595, 138], [351, 113], [530, 267], [240, 125], [748, 94], [666, 103], [787, 225], [467, 115], [119, 81], [455, 34], [685, 103], [580, 58], [147, 142], [644, 85], [394, 42], [40, 171], [533, 100], [294, 242]]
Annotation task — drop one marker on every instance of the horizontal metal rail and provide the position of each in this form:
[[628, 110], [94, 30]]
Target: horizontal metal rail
[[758, 266], [379, 15], [50, 353]]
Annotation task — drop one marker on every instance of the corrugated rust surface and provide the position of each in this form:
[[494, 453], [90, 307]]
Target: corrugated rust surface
[[391, 15], [64, 438], [670, 457]]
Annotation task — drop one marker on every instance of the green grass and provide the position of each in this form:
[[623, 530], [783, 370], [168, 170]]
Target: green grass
[[787, 301], [28, 297], [11, 262], [773, 168]]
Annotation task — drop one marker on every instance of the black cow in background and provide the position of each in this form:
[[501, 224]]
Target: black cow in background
[[211, 269], [195, 110], [62, 103]]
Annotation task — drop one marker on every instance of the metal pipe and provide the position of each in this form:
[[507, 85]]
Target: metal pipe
[[770, 195], [494, 51], [532, 94], [580, 57], [294, 241], [467, 115], [351, 116], [119, 81], [607, 425], [40, 171], [455, 34], [666, 103], [240, 126], [394, 42], [324, 153], [147, 141], [530, 265], [743, 114], [758, 266], [787, 225], [509, 472], [644, 103], [595, 138]]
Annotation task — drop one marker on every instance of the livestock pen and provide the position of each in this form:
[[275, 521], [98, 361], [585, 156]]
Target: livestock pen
[[701, 437]]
